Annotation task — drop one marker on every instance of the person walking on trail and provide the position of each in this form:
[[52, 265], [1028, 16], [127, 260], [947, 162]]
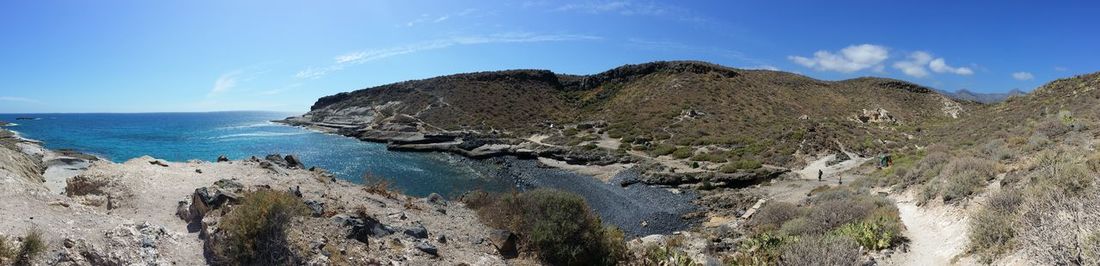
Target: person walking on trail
[[819, 174]]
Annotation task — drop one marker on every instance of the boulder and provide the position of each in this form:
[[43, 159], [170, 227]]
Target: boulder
[[277, 160], [505, 242], [436, 199], [362, 228], [222, 158], [293, 162], [183, 211], [417, 231], [205, 199], [427, 248], [316, 208]]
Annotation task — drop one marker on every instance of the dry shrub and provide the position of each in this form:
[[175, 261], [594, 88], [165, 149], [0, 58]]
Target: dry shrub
[[558, 227], [1060, 228], [32, 246], [965, 177], [7, 251], [1037, 142], [255, 231], [773, 215], [1051, 127], [928, 167], [821, 250], [993, 227], [377, 185], [997, 150]]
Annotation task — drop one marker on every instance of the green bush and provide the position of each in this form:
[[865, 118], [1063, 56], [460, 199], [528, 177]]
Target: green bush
[[743, 164], [873, 234], [683, 152], [709, 157], [256, 230], [558, 227], [663, 149]]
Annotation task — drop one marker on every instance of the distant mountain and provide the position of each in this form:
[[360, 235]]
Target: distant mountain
[[986, 98]]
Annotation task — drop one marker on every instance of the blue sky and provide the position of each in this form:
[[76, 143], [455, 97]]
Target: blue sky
[[146, 56]]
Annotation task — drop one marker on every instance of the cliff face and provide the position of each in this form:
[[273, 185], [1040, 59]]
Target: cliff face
[[15, 165], [766, 115]]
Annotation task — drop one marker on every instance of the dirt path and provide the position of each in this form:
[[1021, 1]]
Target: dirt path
[[831, 173], [937, 234]]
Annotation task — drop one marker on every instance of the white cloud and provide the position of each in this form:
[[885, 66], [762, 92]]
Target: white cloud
[[360, 57], [914, 65], [18, 99], [850, 59], [1061, 69], [1023, 76], [918, 63], [224, 83], [939, 65]]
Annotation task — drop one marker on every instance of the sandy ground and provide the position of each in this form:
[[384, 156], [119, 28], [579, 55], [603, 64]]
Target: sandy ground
[[602, 172], [937, 233]]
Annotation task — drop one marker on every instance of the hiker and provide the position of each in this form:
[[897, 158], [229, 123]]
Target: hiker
[[819, 174]]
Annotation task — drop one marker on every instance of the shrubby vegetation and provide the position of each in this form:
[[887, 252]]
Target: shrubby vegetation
[[830, 226], [554, 226], [256, 230]]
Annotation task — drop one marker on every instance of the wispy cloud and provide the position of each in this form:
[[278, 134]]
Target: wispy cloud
[[19, 99], [360, 57], [427, 18], [693, 49], [224, 83], [626, 8], [850, 59], [1061, 69], [1022, 76]]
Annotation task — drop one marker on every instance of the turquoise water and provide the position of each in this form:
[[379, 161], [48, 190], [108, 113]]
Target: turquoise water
[[204, 136]]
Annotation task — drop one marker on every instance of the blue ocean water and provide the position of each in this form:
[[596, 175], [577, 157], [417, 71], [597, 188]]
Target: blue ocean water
[[204, 136]]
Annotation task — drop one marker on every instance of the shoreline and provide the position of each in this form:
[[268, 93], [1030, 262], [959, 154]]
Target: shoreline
[[638, 209]]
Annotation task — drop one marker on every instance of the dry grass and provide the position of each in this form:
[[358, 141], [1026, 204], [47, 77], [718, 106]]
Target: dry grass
[[28, 250]]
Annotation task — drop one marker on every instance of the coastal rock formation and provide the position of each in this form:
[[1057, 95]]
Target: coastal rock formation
[[140, 213]]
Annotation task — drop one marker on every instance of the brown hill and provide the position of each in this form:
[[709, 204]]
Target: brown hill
[[710, 112]]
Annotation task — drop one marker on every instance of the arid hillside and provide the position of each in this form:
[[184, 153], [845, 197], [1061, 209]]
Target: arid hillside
[[711, 113]]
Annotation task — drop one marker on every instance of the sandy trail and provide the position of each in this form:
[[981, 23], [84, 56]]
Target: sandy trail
[[831, 172], [937, 234]]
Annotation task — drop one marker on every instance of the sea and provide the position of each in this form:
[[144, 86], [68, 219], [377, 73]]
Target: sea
[[240, 135]]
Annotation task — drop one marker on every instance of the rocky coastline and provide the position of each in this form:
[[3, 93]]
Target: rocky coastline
[[155, 212], [478, 145]]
